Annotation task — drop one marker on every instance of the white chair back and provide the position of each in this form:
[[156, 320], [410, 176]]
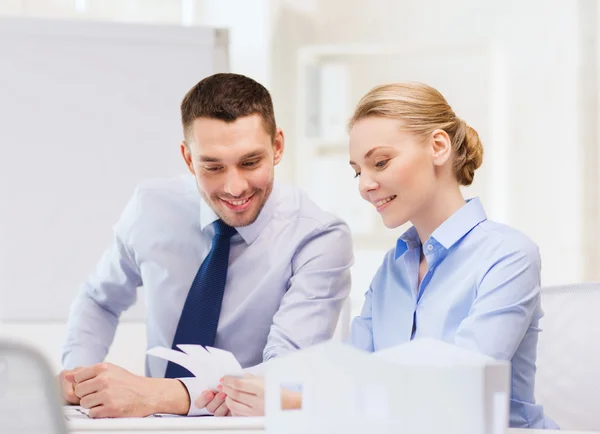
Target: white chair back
[[568, 376], [29, 398]]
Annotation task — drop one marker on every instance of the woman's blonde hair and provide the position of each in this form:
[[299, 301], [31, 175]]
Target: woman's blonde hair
[[422, 109]]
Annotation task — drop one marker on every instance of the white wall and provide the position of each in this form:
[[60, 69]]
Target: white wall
[[541, 41], [128, 349], [550, 48]]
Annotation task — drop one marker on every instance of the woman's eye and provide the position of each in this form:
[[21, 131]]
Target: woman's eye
[[356, 175], [381, 164]]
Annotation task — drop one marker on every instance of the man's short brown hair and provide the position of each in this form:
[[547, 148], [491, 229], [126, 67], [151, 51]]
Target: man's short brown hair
[[227, 97]]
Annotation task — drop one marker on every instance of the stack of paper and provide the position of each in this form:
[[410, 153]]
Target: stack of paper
[[208, 364]]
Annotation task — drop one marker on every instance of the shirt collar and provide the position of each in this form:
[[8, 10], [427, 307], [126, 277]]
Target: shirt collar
[[248, 233], [449, 232]]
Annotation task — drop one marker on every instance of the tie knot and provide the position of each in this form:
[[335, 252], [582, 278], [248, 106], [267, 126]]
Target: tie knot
[[223, 229]]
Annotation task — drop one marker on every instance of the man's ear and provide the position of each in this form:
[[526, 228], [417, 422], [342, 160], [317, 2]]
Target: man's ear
[[278, 146], [187, 156]]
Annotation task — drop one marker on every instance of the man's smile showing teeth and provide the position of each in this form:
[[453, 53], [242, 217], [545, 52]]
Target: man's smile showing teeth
[[238, 202], [238, 205]]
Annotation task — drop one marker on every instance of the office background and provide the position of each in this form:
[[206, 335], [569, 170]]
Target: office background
[[525, 74]]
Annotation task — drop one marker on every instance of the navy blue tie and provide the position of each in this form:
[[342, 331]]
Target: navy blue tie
[[200, 314]]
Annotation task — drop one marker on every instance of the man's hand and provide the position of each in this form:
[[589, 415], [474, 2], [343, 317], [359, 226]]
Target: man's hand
[[111, 391], [66, 387], [214, 401]]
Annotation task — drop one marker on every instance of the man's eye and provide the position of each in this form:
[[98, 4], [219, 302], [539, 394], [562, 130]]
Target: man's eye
[[249, 163], [211, 169]]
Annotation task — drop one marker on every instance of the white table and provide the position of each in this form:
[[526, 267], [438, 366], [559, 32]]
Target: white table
[[219, 426], [168, 425], [219, 431], [545, 431]]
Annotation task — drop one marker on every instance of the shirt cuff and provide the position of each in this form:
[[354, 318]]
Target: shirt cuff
[[82, 358], [193, 387]]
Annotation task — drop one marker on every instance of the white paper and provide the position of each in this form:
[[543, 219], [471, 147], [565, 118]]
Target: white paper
[[208, 364], [202, 358], [182, 359], [228, 364]]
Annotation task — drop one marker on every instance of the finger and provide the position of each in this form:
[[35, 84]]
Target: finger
[[68, 393], [92, 400], [84, 374], [70, 396], [203, 400], [71, 371], [216, 402], [253, 385], [89, 386], [68, 377], [98, 412], [222, 410], [66, 388], [243, 397], [238, 408]]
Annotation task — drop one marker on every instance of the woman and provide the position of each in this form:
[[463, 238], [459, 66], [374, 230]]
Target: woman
[[454, 275]]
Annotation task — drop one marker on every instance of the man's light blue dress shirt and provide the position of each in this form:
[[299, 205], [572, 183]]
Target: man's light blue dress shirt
[[288, 276], [481, 291]]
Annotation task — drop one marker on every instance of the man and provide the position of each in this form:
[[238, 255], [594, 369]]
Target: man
[[227, 257]]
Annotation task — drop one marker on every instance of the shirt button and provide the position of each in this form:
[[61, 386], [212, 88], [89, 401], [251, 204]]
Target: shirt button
[[429, 247]]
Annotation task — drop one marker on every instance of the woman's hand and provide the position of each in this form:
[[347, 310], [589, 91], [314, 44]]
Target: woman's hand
[[246, 396]]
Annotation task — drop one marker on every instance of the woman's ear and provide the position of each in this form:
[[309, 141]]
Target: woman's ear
[[441, 146]]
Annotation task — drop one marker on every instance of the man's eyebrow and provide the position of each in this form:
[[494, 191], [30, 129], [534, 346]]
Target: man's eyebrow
[[249, 155], [252, 154], [206, 159]]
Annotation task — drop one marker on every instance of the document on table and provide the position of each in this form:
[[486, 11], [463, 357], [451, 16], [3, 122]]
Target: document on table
[[76, 412]]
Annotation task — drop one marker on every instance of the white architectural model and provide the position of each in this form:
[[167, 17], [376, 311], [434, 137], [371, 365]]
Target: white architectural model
[[424, 386]]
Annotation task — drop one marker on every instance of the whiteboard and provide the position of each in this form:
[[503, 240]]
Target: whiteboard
[[87, 110]]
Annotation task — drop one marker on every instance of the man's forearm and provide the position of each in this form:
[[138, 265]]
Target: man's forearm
[[171, 396], [90, 331]]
